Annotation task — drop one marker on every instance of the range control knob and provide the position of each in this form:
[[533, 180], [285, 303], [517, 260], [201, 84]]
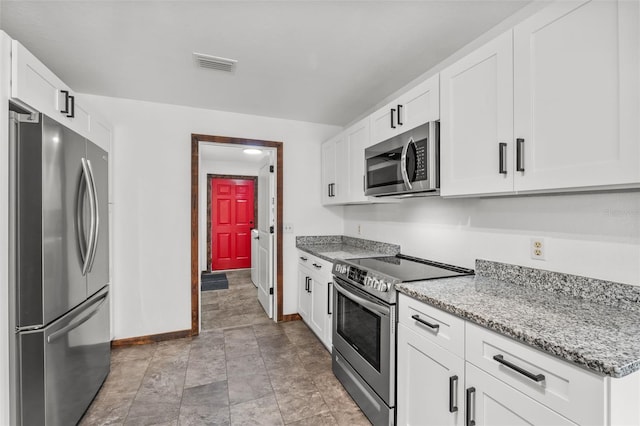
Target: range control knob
[[384, 286], [376, 283]]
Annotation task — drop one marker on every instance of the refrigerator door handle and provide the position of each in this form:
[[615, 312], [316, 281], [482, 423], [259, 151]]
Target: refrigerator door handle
[[82, 239], [75, 324], [96, 218], [88, 182]]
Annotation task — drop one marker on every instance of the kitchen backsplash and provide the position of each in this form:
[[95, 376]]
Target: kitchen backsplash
[[606, 292], [374, 246]]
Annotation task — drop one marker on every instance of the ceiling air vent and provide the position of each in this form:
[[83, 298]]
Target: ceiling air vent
[[215, 62]]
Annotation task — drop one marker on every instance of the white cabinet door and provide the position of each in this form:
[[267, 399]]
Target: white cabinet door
[[430, 382], [341, 188], [417, 106], [34, 85], [357, 137], [492, 402], [476, 119], [304, 296], [576, 95], [318, 318], [328, 171]]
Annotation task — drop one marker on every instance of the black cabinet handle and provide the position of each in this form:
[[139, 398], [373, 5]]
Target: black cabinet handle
[[332, 192], [304, 259], [502, 147], [317, 266], [393, 111], [534, 377], [310, 286], [399, 115], [329, 190], [329, 284], [428, 324], [470, 392], [453, 387], [72, 113], [66, 102], [520, 155], [306, 284]]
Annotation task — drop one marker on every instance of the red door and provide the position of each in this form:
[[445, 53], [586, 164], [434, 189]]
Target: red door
[[231, 223]]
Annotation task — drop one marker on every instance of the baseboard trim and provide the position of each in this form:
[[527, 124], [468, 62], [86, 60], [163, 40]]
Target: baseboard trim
[[152, 338], [291, 317]]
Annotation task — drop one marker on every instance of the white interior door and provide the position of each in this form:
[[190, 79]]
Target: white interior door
[[266, 220]]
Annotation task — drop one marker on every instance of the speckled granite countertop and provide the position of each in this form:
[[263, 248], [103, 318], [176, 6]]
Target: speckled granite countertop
[[332, 247], [591, 323]]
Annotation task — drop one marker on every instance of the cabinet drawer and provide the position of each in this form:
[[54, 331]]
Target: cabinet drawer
[[448, 331], [569, 390], [314, 263]]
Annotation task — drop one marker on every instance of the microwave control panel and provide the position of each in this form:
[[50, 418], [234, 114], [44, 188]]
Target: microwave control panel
[[421, 160]]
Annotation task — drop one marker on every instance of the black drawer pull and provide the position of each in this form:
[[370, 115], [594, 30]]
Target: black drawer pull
[[393, 111], [428, 324], [453, 387], [399, 115], [304, 259], [317, 266], [470, 392], [534, 377]]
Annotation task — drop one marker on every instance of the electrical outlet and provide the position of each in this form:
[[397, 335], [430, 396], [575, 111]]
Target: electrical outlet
[[538, 249], [287, 228]]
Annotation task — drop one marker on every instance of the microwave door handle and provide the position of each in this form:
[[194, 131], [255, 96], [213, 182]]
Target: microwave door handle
[[403, 164]]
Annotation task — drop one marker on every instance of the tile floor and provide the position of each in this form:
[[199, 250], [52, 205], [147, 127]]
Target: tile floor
[[242, 369]]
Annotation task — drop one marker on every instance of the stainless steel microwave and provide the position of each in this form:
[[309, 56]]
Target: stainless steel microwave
[[405, 165]]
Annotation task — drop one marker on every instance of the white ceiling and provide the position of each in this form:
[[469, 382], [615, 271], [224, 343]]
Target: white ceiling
[[319, 61]]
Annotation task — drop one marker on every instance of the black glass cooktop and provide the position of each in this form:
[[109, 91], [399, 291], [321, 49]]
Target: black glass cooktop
[[406, 268]]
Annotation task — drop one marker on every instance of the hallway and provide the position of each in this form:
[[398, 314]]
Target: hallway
[[242, 369]]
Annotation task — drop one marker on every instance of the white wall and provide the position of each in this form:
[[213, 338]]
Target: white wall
[[220, 168], [594, 235], [152, 181]]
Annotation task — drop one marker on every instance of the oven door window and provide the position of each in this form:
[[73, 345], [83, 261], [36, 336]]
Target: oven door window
[[384, 169], [359, 327]]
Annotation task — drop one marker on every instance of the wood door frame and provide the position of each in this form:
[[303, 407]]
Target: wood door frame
[[255, 207], [195, 171]]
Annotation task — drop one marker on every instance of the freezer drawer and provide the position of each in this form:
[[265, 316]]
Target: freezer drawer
[[63, 366]]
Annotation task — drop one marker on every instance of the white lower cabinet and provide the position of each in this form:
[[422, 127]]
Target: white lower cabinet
[[496, 380], [421, 362], [304, 297], [315, 285], [492, 402]]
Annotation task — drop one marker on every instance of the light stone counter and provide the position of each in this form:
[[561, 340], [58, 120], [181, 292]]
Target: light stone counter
[[592, 323]]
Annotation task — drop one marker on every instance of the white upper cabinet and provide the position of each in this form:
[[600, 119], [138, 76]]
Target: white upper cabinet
[[35, 86], [343, 169], [357, 137], [576, 95], [328, 169], [417, 106], [553, 106], [476, 127], [335, 187]]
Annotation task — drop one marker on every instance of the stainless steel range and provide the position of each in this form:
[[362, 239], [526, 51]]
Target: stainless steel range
[[364, 325]]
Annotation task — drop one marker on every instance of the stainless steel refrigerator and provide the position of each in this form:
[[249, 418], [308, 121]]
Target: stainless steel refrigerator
[[60, 355]]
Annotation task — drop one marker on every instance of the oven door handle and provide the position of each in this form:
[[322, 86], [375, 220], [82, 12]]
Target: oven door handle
[[362, 301]]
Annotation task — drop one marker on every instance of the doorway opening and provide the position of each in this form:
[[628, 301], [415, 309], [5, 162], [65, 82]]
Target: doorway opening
[[277, 147]]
